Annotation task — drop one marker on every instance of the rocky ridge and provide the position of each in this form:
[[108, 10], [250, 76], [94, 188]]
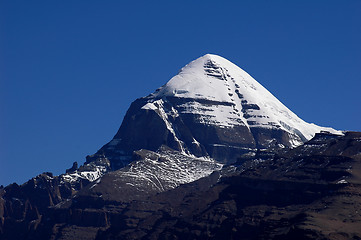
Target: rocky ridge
[[309, 192]]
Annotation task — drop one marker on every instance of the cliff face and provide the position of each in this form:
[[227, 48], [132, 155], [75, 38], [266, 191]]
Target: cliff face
[[310, 192]]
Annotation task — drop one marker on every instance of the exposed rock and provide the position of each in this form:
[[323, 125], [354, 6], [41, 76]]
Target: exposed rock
[[283, 198], [73, 168]]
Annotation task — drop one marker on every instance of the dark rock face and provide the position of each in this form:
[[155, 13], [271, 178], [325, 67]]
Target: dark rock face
[[310, 192], [313, 195], [22, 207], [148, 129], [73, 168]]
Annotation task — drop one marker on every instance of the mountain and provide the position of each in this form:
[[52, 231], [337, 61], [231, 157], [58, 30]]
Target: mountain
[[310, 192], [212, 108], [211, 154]]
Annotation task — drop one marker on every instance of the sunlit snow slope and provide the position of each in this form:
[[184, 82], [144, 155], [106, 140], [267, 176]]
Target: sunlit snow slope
[[214, 78]]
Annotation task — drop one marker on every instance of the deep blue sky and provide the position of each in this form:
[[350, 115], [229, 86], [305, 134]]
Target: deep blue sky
[[70, 69]]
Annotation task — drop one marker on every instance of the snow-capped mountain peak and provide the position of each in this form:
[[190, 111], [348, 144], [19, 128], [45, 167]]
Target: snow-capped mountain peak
[[214, 78], [211, 108]]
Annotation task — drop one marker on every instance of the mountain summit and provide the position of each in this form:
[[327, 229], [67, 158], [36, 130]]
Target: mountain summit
[[210, 108], [214, 78]]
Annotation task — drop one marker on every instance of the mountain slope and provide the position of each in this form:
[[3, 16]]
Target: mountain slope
[[211, 108], [310, 192]]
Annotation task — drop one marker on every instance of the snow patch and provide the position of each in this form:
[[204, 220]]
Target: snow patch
[[167, 171], [343, 181], [91, 176]]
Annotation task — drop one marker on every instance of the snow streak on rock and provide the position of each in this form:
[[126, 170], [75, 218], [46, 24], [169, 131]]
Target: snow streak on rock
[[165, 170], [90, 171], [237, 99]]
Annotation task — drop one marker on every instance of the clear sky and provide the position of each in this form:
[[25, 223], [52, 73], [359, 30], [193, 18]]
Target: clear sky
[[70, 69]]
